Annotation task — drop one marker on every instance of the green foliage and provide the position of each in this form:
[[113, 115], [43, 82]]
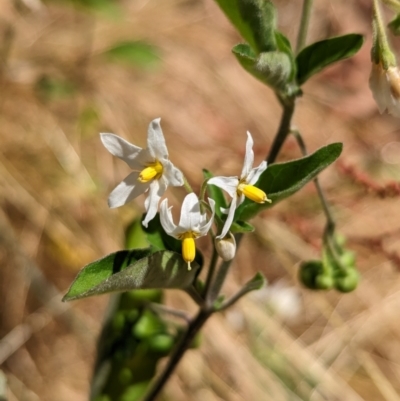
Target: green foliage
[[312, 59], [134, 53], [255, 20], [274, 68], [50, 88], [284, 179], [134, 269], [394, 25], [241, 227]]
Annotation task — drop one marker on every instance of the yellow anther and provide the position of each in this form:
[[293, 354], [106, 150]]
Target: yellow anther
[[253, 193], [153, 170], [188, 248]]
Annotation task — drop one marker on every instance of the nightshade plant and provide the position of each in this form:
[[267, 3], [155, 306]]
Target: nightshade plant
[[162, 256]]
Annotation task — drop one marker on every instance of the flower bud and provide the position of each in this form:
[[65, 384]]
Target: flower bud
[[226, 247]]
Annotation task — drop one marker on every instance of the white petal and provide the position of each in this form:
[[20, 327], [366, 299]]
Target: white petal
[[134, 156], [205, 228], [166, 219], [155, 141], [190, 213], [151, 203], [229, 219], [255, 173], [249, 157], [127, 190], [228, 184], [172, 174]]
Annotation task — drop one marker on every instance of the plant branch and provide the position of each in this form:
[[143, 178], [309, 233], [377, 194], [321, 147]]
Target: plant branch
[[330, 221], [304, 23], [180, 349], [283, 131]]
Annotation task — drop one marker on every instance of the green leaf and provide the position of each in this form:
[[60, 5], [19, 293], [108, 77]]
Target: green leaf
[[135, 237], [254, 19], [394, 25], [134, 53], [52, 88], [275, 67], [272, 68], [157, 237], [241, 227], [319, 55], [285, 47], [215, 193], [281, 180], [130, 270]]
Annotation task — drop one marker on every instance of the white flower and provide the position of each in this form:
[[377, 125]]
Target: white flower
[[240, 187], [153, 171], [385, 87], [192, 224]]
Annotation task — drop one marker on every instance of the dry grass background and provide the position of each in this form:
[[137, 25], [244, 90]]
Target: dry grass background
[[55, 177]]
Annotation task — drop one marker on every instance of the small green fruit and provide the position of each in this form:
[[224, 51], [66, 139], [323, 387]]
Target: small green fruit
[[324, 282], [147, 325], [309, 270], [161, 343], [347, 282]]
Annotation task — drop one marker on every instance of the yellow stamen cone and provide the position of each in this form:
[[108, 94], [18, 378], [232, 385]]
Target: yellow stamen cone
[[254, 193], [188, 249], [154, 170]]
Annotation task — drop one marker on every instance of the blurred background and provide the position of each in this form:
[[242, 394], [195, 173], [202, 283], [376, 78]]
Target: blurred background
[[71, 69]]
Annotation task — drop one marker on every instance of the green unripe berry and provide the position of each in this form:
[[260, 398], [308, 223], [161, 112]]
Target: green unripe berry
[[132, 315], [161, 343], [309, 270], [125, 376], [347, 282], [324, 282], [348, 259], [340, 240], [118, 321], [147, 325]]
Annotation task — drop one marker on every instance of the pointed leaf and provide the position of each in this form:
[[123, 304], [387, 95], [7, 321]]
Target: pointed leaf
[[241, 227], [394, 25], [281, 180], [319, 55], [130, 270], [137, 54], [157, 237], [271, 68], [254, 19]]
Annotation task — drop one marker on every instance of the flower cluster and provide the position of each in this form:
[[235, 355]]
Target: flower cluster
[[153, 172]]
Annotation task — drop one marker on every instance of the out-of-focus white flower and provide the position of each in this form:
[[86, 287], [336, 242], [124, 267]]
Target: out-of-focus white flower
[[153, 171], [283, 299], [240, 187], [192, 224], [385, 87]]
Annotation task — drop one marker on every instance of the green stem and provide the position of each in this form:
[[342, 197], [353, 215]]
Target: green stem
[[215, 288], [210, 274], [187, 186], [283, 131], [330, 222], [180, 349], [304, 23]]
